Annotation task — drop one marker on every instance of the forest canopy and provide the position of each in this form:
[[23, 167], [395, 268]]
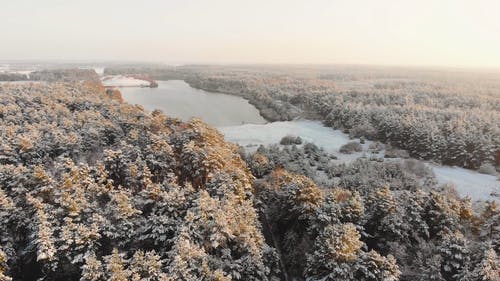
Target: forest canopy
[[92, 188], [450, 117]]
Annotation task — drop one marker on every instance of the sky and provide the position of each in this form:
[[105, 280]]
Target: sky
[[463, 33]]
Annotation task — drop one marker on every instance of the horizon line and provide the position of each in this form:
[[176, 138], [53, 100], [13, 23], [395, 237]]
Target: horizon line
[[202, 63]]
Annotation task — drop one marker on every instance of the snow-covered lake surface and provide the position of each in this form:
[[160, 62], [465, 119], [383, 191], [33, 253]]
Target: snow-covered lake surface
[[469, 183], [271, 133], [227, 113], [177, 99], [251, 136]]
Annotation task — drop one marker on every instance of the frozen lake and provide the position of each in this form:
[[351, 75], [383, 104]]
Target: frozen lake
[[241, 123], [251, 136], [177, 99]]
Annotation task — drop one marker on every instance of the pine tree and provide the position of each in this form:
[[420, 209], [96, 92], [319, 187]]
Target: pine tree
[[92, 269], [335, 253], [115, 267], [373, 266], [3, 267], [490, 224], [489, 267], [440, 215], [455, 256]]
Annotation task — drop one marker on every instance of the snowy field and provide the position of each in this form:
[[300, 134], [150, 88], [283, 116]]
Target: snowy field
[[250, 136], [468, 183], [25, 72], [253, 135], [123, 81], [99, 70]]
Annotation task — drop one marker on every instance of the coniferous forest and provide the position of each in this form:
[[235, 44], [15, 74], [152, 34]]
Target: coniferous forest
[[92, 188], [233, 140], [449, 117]]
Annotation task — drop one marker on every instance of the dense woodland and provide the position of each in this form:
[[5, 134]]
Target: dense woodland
[[92, 189], [451, 117], [332, 222], [95, 189]]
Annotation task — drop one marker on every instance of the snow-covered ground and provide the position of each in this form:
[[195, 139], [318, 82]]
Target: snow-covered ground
[[467, 183], [249, 135], [99, 70], [123, 81]]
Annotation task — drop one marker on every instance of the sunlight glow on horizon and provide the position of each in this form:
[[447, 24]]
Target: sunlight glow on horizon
[[387, 32]]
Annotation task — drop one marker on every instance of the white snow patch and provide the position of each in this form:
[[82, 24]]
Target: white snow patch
[[250, 136], [25, 72], [271, 133], [468, 183], [99, 70], [122, 81]]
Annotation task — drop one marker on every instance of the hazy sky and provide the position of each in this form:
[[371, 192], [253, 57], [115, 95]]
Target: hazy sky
[[401, 32]]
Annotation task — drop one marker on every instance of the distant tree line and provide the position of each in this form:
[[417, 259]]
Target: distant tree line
[[52, 75], [13, 77]]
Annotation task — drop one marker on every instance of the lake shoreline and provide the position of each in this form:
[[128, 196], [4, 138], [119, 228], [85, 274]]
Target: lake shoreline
[[177, 98], [251, 135], [266, 111]]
